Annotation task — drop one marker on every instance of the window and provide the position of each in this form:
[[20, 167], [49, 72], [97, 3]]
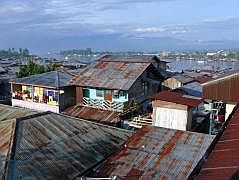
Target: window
[[123, 93], [99, 93], [86, 93], [145, 87], [116, 94]]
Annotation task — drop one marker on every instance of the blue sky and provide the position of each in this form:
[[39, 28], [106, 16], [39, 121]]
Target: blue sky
[[119, 25]]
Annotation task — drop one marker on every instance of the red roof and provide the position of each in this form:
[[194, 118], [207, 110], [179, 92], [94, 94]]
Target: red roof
[[93, 114], [203, 79], [177, 98], [223, 162]]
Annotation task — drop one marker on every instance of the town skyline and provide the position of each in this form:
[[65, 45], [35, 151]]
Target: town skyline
[[119, 25]]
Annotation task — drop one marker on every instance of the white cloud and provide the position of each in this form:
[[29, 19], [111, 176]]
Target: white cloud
[[151, 30]]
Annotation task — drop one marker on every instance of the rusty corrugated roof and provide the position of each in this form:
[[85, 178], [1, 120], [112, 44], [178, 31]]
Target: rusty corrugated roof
[[223, 162], [156, 153], [54, 146], [177, 98], [224, 88], [93, 114], [110, 75], [9, 112], [6, 138], [222, 77], [8, 115]]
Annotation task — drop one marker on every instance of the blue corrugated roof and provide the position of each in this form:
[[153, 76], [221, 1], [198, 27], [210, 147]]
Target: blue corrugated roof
[[54, 146], [54, 79]]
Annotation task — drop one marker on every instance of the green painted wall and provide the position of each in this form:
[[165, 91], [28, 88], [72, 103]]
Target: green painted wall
[[120, 99]]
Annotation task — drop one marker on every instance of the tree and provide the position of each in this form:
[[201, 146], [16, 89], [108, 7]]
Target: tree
[[32, 68]]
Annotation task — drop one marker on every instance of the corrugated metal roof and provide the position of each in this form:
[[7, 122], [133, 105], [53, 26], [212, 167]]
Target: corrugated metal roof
[[192, 89], [203, 79], [223, 162], [93, 114], [53, 79], [54, 146], [6, 136], [222, 77], [224, 88], [8, 112], [2, 70], [183, 78], [110, 75], [156, 153], [177, 98]]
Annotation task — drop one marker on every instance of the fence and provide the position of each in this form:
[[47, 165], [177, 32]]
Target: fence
[[103, 104]]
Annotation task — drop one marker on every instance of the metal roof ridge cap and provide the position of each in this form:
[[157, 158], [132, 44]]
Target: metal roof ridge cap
[[92, 122], [221, 78]]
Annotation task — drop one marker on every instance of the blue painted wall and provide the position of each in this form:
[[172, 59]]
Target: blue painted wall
[[120, 99]]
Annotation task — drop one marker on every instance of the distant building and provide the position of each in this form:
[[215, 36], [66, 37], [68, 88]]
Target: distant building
[[174, 110], [44, 92], [176, 81]]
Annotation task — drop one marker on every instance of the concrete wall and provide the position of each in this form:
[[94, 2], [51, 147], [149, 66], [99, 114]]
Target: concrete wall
[[35, 106]]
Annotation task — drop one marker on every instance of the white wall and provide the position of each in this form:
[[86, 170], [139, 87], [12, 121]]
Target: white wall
[[35, 106], [229, 109], [170, 118]]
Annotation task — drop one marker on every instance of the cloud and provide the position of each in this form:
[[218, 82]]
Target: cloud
[[166, 29]]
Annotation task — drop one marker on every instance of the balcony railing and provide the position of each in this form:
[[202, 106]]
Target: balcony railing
[[103, 104], [139, 122]]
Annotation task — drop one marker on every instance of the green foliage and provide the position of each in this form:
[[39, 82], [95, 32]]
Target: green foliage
[[32, 68], [52, 67]]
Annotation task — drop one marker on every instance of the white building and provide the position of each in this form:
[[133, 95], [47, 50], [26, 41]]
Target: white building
[[174, 110]]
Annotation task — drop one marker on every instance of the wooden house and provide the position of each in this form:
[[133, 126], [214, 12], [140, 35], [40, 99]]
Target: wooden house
[[116, 85], [44, 92], [176, 81], [173, 110]]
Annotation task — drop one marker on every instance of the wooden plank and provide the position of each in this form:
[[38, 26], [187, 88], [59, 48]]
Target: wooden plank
[[169, 105]]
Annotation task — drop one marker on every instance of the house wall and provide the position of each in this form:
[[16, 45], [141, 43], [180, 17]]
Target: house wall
[[67, 97], [225, 89], [121, 99], [171, 83], [79, 95], [35, 106], [138, 93], [170, 118], [171, 115], [229, 109]]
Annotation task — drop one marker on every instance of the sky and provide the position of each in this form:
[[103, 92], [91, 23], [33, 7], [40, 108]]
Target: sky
[[119, 25]]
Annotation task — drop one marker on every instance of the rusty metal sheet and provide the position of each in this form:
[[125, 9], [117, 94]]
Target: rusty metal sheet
[[223, 162], [156, 153], [7, 129], [177, 98], [54, 146], [110, 74], [223, 88], [8, 112], [93, 114]]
